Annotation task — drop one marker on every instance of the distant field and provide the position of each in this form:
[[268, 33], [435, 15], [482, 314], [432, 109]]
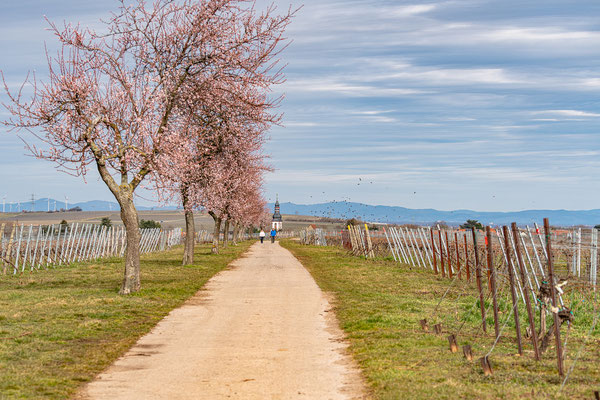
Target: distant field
[[168, 219]]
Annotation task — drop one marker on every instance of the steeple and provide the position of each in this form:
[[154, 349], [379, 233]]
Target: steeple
[[277, 214], [277, 220]]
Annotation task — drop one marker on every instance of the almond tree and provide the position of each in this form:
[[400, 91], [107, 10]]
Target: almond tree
[[226, 144], [119, 99]]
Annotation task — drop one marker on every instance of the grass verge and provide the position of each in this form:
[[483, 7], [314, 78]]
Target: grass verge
[[379, 304], [60, 328]]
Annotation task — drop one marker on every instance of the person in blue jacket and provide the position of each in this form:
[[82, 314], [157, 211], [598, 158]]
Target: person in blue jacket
[[273, 234]]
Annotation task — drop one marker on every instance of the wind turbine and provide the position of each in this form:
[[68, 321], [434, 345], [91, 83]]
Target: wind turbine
[[66, 203]]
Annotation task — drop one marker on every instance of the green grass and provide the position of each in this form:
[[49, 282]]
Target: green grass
[[379, 303], [60, 328]]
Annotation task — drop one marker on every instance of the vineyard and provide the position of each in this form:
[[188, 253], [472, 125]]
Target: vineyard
[[35, 247], [529, 291]]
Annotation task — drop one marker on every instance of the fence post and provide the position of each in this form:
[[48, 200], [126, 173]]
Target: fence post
[[441, 254], [435, 269], [492, 274], [26, 253], [35, 251], [467, 257], [535, 252], [553, 297], [2, 248], [389, 244], [9, 248], [530, 314], [478, 279], [408, 250], [530, 263], [423, 237], [513, 292], [398, 240], [579, 253], [458, 271], [56, 256], [449, 256], [369, 243], [416, 247], [594, 257]]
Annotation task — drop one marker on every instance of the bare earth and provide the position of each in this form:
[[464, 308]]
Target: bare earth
[[261, 330]]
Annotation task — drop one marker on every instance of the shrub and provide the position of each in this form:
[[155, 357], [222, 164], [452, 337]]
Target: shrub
[[148, 224]]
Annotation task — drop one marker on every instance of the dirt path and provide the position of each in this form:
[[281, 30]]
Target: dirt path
[[261, 330]]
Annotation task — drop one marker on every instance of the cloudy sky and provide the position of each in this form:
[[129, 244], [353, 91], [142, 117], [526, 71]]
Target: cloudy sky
[[460, 104]]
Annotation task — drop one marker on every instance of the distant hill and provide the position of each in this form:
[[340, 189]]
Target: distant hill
[[366, 212], [46, 204], [392, 214]]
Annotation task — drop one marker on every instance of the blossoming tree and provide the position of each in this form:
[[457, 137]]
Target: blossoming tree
[[118, 100]]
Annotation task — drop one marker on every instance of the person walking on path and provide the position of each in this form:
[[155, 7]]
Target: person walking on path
[[273, 234], [262, 235]]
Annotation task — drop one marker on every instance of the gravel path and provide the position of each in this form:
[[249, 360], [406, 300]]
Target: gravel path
[[262, 329]]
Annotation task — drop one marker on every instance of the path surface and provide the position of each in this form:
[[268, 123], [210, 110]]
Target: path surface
[[261, 330]]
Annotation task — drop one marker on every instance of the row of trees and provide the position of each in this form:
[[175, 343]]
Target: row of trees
[[173, 95]]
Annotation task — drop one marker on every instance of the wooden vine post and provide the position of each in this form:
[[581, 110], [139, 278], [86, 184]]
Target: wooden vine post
[[528, 293], [467, 258], [492, 275], [478, 279], [513, 292], [547, 232], [435, 269], [441, 253], [448, 255], [458, 271]]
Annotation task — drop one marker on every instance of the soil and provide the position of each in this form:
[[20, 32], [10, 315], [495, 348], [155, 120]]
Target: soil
[[262, 329]]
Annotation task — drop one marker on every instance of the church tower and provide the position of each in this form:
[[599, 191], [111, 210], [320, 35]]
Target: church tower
[[277, 223]]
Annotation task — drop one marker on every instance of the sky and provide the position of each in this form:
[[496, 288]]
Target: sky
[[460, 104]]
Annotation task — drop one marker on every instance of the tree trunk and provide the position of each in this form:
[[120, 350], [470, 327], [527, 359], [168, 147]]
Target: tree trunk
[[131, 280], [226, 234], [235, 234], [190, 231], [217, 231]]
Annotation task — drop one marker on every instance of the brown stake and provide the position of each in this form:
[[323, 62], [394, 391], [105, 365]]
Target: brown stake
[[441, 253], [468, 352], [513, 293], [492, 274], [597, 395], [448, 255], [478, 279], [457, 256], [485, 364], [452, 343], [435, 270], [553, 297], [528, 293], [437, 328], [467, 258]]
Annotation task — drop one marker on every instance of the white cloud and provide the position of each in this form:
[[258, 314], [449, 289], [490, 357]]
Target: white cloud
[[412, 9], [567, 113], [345, 88], [375, 112]]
